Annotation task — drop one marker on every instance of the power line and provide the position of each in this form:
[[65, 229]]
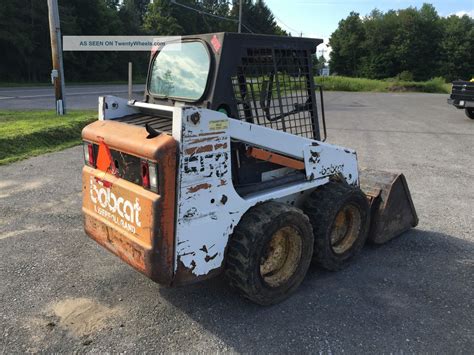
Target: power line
[[212, 15], [284, 24], [204, 12], [247, 28], [205, 21]]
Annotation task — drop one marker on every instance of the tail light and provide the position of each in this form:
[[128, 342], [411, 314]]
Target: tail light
[[149, 175], [89, 158]]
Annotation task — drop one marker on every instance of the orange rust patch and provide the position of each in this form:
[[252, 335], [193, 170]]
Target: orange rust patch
[[196, 188], [223, 182], [201, 140], [210, 134], [117, 243], [220, 146], [197, 150]]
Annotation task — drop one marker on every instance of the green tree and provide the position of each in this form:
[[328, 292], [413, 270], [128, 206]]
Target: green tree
[[347, 44], [25, 42], [130, 17], [318, 63], [457, 48], [257, 17], [159, 20], [91, 17], [417, 41], [219, 8], [379, 59], [414, 43]]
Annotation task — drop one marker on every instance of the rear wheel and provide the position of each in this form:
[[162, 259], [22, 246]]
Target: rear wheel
[[339, 215], [470, 113], [269, 252]]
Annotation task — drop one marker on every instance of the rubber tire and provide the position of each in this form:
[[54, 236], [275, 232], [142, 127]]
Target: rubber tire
[[469, 113], [247, 244], [322, 207]]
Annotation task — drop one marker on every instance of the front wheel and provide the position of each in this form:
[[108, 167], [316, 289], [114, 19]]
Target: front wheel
[[269, 252], [339, 215], [470, 113]]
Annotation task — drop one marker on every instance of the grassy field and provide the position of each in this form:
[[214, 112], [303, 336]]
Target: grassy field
[[24, 134], [341, 83]]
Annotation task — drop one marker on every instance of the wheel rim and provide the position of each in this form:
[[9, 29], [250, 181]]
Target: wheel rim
[[345, 230], [281, 256]]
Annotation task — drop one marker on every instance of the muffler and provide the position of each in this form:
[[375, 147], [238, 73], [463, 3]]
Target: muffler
[[392, 209]]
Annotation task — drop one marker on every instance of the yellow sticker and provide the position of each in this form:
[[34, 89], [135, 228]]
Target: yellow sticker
[[218, 125]]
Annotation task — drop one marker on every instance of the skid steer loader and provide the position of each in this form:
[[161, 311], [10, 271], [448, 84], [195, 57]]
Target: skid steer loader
[[223, 167]]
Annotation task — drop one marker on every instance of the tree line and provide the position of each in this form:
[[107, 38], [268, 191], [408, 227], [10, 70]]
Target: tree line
[[25, 42], [410, 44]]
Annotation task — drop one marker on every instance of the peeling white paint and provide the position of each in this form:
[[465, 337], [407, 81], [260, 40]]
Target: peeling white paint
[[209, 208]]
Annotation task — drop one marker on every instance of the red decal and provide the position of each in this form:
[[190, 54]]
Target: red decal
[[216, 44], [105, 183]]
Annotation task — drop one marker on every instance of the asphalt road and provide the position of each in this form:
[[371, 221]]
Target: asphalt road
[[62, 292], [77, 96]]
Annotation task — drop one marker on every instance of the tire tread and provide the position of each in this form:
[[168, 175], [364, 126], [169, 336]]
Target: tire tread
[[321, 207], [251, 228]]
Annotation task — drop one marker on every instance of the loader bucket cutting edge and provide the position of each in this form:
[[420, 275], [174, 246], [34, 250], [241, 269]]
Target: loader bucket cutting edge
[[392, 209]]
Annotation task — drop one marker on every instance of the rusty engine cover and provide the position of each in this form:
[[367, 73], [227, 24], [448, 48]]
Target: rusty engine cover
[[139, 225]]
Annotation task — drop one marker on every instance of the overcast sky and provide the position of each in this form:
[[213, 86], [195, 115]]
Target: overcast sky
[[319, 18]]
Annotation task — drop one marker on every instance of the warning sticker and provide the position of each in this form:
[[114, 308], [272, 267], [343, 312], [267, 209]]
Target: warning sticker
[[218, 125], [216, 44]]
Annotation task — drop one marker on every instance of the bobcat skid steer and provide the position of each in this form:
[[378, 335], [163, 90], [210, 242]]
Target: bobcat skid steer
[[222, 168]]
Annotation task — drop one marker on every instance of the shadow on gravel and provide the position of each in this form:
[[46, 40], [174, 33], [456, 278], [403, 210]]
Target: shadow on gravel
[[414, 293]]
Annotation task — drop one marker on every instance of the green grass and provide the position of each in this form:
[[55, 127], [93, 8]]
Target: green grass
[[24, 134], [341, 83]]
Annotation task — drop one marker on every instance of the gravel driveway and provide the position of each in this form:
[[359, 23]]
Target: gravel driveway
[[62, 292]]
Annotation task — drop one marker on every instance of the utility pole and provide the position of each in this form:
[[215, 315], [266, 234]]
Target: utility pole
[[57, 74], [240, 16], [130, 81]]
